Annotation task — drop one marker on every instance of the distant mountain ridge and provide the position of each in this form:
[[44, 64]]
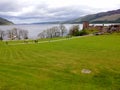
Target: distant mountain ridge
[[54, 22], [5, 22], [103, 17]]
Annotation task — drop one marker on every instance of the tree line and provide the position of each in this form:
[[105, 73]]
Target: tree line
[[52, 32], [14, 34], [55, 31], [61, 30]]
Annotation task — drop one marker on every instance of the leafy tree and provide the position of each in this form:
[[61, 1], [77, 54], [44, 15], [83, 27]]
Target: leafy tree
[[83, 32], [74, 30]]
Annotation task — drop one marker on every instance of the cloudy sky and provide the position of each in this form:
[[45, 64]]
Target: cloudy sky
[[29, 11]]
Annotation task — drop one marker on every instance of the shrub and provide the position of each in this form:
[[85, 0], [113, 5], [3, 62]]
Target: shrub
[[83, 32]]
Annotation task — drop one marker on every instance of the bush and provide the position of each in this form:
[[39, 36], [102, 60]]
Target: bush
[[83, 32]]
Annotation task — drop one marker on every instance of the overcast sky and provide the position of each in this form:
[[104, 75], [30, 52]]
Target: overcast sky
[[28, 11]]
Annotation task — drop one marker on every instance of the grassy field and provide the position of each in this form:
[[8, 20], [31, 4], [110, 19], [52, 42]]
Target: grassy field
[[58, 65]]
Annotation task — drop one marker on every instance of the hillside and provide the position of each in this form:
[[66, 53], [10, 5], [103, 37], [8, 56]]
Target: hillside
[[112, 18], [5, 22], [103, 17]]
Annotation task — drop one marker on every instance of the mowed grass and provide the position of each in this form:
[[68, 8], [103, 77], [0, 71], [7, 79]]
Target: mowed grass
[[58, 65]]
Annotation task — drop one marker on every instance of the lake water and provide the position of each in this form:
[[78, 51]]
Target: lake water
[[34, 30]]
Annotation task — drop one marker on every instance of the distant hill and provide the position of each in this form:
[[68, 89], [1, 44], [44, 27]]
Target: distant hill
[[103, 17], [54, 22], [5, 22]]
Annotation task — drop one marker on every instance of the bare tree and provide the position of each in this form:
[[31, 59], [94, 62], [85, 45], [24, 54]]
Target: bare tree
[[55, 31], [62, 29], [13, 33], [74, 30], [50, 32], [41, 35], [24, 34], [17, 33], [10, 34], [2, 34]]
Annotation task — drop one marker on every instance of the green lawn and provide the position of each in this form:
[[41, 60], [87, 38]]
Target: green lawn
[[58, 65]]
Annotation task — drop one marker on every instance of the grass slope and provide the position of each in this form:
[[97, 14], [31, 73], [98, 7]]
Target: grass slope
[[58, 65]]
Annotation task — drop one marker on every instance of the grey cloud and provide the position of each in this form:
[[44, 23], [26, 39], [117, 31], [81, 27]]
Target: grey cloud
[[41, 12], [55, 13], [9, 6]]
